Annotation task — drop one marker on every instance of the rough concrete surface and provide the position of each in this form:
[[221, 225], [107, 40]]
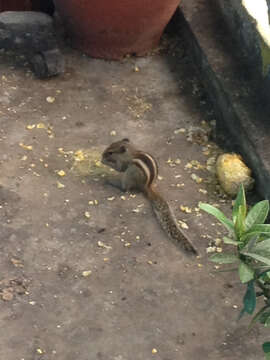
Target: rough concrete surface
[[242, 116], [144, 299]]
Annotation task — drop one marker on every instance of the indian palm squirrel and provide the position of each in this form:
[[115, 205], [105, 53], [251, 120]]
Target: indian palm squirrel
[[138, 170]]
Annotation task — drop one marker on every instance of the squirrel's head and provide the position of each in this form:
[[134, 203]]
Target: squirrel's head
[[118, 155]]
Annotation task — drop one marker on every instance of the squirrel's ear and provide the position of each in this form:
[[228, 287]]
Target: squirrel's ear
[[122, 149], [125, 140]]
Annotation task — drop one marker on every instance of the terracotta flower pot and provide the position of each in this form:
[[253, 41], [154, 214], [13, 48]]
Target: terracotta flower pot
[[15, 5], [112, 29], [27, 5]]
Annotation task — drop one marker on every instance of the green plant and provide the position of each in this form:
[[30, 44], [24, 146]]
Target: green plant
[[250, 235]]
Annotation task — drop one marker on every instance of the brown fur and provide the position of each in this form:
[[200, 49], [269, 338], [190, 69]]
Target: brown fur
[[125, 158]]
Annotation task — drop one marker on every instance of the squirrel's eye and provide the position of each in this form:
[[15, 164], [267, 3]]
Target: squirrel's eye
[[109, 152]]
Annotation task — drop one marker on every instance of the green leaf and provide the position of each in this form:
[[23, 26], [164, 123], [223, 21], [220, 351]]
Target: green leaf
[[266, 347], [240, 221], [257, 214], [246, 273], [240, 201], [256, 229], [264, 318], [249, 299], [224, 258], [262, 246], [257, 316], [260, 252], [260, 258], [267, 322], [218, 214], [230, 241]]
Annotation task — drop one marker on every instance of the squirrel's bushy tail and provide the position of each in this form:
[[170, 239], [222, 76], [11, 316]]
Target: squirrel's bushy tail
[[168, 222]]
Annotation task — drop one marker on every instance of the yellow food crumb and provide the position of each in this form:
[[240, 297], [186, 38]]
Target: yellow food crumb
[[111, 198], [30, 127], [185, 209], [50, 99], [179, 131], [41, 126], [26, 147], [60, 185], [86, 273]]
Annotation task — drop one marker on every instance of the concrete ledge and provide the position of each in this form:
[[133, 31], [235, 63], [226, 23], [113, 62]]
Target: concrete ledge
[[248, 23], [242, 120]]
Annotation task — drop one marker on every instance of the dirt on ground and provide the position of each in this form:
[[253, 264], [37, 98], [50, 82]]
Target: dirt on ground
[[85, 271]]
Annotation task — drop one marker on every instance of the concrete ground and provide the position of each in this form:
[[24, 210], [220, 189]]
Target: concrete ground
[[85, 279]]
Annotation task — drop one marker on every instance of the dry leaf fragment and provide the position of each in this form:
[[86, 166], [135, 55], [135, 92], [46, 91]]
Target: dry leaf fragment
[[87, 214], [111, 198]]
